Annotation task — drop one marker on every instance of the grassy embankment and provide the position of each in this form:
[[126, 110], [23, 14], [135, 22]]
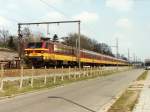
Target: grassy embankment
[[129, 98]]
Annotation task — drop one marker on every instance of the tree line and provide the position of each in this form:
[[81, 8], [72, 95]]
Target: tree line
[[7, 40], [88, 44]]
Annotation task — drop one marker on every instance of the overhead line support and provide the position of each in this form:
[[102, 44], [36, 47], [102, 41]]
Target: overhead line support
[[56, 22]]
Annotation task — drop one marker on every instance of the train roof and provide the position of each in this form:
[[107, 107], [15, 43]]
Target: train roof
[[99, 54]]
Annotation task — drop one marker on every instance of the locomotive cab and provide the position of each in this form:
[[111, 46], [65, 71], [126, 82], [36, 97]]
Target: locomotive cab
[[36, 47], [38, 51]]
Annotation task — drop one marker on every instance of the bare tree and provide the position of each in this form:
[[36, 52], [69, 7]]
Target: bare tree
[[26, 32], [29, 36], [86, 42], [12, 42], [4, 35]]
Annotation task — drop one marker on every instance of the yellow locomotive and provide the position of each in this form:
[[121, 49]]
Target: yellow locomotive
[[48, 53]]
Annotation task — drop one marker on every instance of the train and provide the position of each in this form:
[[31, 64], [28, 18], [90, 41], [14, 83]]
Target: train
[[49, 53]]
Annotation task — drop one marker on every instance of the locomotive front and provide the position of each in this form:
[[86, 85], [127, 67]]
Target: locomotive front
[[37, 52]]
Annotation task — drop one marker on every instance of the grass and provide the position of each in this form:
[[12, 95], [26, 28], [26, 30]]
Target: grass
[[11, 88], [128, 99], [143, 76], [126, 102]]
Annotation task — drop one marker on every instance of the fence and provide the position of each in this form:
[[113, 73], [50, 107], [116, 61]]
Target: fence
[[46, 77]]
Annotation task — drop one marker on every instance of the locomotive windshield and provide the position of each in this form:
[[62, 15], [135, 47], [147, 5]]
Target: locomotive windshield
[[35, 45]]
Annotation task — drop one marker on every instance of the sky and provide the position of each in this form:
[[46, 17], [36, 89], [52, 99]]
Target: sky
[[102, 20]]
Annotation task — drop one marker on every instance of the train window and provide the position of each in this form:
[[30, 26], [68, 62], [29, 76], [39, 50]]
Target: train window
[[31, 45], [38, 45], [35, 45], [46, 45]]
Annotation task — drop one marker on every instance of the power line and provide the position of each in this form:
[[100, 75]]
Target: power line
[[12, 19], [89, 28], [53, 8]]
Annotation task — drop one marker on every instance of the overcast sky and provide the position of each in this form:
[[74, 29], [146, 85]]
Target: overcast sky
[[103, 20]]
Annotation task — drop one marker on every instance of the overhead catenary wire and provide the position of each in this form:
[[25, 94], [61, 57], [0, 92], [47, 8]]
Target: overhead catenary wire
[[61, 12], [12, 19], [52, 7]]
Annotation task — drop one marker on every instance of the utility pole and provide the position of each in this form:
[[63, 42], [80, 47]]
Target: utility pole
[[128, 54], [117, 47], [128, 57], [20, 45], [117, 52], [79, 44], [134, 59], [19, 39]]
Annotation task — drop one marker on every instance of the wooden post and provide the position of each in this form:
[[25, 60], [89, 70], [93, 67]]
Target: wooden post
[[32, 76], [69, 73], [75, 73], [95, 71], [54, 77], [101, 70], [21, 77], [91, 72], [62, 75], [45, 78], [98, 70], [2, 75], [79, 71], [104, 71], [115, 69], [87, 72], [84, 72]]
